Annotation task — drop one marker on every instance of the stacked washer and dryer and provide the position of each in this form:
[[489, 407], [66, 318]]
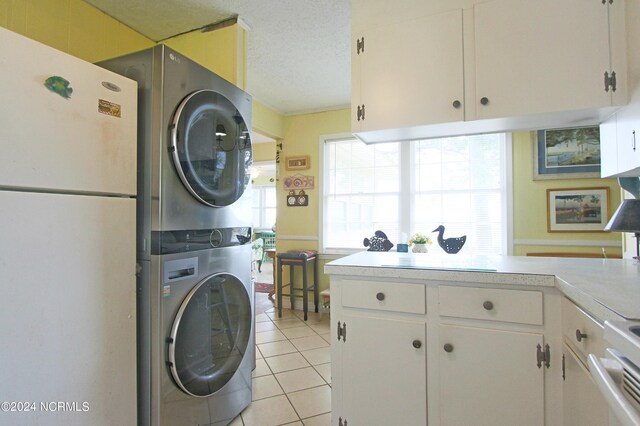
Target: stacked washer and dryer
[[195, 296]]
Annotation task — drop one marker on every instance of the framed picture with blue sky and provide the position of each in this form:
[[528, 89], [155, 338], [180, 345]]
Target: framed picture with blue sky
[[569, 153]]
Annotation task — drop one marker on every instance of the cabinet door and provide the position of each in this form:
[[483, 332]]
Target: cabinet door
[[540, 56], [620, 143], [410, 73], [383, 375], [583, 404], [490, 377], [609, 147], [628, 140]]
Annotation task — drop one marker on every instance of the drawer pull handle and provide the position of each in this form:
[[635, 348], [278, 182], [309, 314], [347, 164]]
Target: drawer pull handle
[[457, 104], [380, 296], [488, 305], [580, 335], [417, 344], [484, 100], [448, 348]]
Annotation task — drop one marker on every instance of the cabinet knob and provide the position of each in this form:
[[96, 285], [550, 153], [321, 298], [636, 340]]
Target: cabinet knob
[[456, 104], [484, 100], [488, 305], [417, 344], [448, 347], [380, 296], [580, 335]]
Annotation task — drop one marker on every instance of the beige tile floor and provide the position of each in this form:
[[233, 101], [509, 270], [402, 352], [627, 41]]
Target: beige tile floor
[[292, 379]]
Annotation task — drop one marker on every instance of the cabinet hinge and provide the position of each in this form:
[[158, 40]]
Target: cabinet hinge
[[360, 45], [543, 356], [342, 331], [342, 423], [610, 81], [360, 112]]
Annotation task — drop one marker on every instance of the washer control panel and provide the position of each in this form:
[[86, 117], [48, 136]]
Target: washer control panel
[[183, 241]]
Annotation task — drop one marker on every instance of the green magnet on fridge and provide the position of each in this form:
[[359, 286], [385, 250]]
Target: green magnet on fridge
[[59, 85]]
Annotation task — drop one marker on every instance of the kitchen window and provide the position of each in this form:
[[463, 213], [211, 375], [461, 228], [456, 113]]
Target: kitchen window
[[403, 188]]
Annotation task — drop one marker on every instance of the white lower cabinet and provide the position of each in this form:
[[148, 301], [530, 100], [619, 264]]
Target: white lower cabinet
[[378, 353], [490, 377], [583, 404], [411, 353], [383, 371]]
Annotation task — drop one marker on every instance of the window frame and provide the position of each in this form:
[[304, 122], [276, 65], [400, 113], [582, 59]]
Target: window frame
[[261, 190], [406, 171]]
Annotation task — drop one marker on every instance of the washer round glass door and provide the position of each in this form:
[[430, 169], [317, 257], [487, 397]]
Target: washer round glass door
[[210, 335], [211, 148]]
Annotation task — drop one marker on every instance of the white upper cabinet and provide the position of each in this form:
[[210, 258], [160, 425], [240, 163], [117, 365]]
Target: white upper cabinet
[[542, 56], [619, 135], [396, 84], [620, 143], [471, 66]]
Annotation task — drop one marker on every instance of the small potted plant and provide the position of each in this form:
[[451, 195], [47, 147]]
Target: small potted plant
[[419, 243]]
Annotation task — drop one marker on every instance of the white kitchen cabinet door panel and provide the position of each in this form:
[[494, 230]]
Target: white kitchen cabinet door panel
[[490, 377], [411, 73], [540, 56], [383, 375], [628, 139], [609, 147]]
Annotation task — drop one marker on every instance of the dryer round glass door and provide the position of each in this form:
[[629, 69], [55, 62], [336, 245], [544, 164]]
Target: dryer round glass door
[[211, 148], [210, 335]]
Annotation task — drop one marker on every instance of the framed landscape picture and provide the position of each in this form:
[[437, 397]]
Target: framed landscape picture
[[577, 209], [567, 153]]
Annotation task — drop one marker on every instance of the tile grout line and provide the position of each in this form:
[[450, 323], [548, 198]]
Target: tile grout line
[[298, 351]]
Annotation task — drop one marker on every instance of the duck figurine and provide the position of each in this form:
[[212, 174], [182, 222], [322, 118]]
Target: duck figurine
[[450, 245]]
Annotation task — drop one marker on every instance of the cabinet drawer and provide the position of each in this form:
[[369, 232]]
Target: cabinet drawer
[[581, 331], [384, 296], [517, 306]]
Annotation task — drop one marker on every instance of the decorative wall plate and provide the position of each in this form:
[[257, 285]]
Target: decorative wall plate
[[299, 200]]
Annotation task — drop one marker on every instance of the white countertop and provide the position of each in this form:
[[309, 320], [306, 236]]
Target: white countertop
[[608, 288]]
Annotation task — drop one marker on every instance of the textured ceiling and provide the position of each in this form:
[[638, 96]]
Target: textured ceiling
[[298, 51]]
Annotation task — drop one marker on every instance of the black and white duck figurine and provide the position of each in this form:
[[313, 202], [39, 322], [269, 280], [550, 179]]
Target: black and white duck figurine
[[450, 245]]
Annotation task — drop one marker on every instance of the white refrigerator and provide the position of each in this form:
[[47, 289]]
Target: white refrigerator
[[67, 239]]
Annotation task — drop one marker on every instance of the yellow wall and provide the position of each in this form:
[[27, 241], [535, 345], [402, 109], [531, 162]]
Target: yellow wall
[[530, 204], [222, 51], [267, 121], [264, 151], [71, 26], [302, 137]]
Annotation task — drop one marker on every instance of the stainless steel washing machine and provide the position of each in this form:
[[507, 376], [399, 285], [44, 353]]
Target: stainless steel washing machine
[[193, 208], [206, 338]]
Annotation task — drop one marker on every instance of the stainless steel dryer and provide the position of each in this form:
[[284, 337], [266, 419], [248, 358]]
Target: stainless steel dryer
[[194, 210]]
